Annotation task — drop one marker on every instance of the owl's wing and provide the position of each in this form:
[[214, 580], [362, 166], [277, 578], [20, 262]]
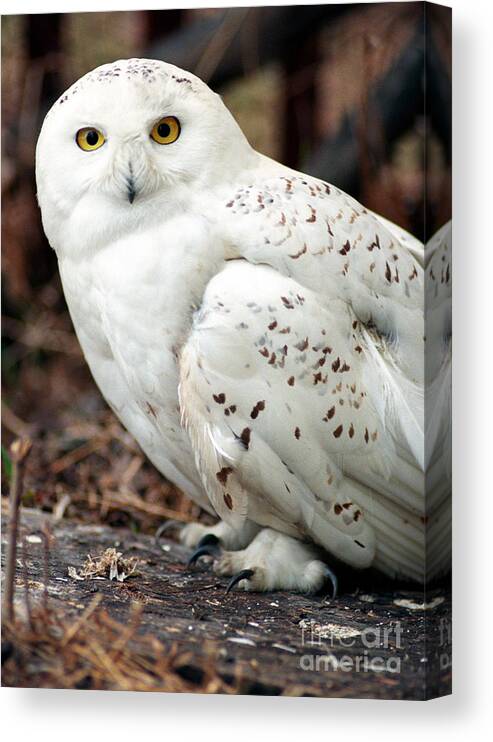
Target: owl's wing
[[282, 401], [326, 241]]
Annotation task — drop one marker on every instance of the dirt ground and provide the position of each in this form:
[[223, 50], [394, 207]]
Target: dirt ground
[[170, 627]]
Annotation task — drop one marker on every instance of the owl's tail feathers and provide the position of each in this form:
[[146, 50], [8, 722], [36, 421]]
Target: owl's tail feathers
[[439, 416], [411, 516], [398, 401]]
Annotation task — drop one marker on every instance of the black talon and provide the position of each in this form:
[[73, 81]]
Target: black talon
[[333, 580], [206, 550], [245, 574], [207, 540], [168, 525]]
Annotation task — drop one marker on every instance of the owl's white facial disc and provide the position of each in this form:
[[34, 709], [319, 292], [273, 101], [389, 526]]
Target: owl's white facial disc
[[131, 174]]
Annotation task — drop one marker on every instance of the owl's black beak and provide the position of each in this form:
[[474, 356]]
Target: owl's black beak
[[131, 192]]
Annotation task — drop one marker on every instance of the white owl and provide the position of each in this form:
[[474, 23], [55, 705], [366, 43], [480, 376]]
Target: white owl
[[258, 331]]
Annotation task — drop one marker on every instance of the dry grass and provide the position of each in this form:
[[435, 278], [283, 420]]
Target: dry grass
[[96, 652], [44, 646], [84, 465]]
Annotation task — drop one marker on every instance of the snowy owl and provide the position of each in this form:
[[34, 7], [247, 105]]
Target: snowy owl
[[258, 331]]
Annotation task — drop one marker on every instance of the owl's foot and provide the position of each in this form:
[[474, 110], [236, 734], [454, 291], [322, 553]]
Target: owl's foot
[[208, 545], [272, 561], [192, 535]]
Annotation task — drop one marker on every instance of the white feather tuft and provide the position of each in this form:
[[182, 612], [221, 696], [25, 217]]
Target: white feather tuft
[[400, 403]]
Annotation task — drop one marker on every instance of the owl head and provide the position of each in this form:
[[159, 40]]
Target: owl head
[[130, 139]]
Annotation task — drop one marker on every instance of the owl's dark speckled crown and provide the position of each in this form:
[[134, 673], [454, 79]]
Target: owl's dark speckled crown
[[148, 70]]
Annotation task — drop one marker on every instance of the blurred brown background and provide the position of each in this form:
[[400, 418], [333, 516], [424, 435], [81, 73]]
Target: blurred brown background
[[334, 90]]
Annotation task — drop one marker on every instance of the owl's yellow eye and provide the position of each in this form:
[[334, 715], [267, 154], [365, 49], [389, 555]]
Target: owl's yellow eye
[[89, 139], [166, 130]]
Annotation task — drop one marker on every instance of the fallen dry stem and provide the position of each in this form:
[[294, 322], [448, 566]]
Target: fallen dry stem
[[19, 451]]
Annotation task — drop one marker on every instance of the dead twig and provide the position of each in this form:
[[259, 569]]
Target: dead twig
[[74, 628], [72, 457], [14, 424], [18, 452], [131, 502]]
